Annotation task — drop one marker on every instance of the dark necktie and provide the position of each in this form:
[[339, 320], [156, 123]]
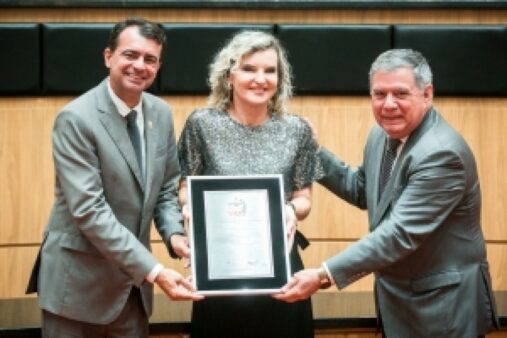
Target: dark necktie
[[135, 137], [387, 163]]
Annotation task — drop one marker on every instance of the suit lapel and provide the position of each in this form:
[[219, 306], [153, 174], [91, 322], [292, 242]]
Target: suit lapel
[[150, 135], [386, 199], [116, 126]]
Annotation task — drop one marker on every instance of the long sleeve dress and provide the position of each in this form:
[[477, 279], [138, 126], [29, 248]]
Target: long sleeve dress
[[212, 143]]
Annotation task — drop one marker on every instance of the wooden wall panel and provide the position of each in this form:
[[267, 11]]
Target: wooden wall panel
[[497, 257], [15, 267], [318, 16], [342, 125], [26, 183]]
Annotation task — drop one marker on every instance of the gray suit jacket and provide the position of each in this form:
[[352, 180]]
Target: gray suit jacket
[[96, 246], [425, 244]]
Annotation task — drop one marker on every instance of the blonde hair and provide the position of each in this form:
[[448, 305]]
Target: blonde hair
[[241, 44]]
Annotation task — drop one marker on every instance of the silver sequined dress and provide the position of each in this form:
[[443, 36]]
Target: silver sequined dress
[[212, 143]]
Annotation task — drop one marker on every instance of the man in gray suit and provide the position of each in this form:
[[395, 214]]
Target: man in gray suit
[[425, 245], [114, 175]]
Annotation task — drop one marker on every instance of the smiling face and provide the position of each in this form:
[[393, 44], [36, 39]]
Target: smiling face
[[255, 79], [398, 104], [133, 65]]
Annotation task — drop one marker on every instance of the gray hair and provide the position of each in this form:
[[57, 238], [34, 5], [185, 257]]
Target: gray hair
[[401, 58], [241, 44]]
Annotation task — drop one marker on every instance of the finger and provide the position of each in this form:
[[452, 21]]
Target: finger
[[185, 252], [286, 297], [178, 293], [278, 296], [196, 296], [181, 293], [292, 283], [185, 212], [186, 284]]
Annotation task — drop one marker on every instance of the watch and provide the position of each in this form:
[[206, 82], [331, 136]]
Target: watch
[[325, 282]]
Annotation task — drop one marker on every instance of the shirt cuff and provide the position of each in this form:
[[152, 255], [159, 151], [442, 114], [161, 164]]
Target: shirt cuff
[[329, 275], [154, 273]]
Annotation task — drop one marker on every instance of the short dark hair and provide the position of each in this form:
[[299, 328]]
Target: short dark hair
[[147, 29]]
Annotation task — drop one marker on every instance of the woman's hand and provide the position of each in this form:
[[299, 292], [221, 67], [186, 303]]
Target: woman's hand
[[291, 222], [180, 245], [185, 213]]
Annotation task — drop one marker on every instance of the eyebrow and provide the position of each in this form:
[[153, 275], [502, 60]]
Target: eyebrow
[[134, 51]]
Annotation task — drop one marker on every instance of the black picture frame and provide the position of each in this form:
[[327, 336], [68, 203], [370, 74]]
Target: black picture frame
[[201, 195]]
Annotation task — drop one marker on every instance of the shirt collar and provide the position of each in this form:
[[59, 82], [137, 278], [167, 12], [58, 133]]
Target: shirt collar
[[122, 107]]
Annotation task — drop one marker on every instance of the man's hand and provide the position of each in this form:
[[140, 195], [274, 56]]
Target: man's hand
[[302, 285], [175, 286], [315, 135], [180, 245]]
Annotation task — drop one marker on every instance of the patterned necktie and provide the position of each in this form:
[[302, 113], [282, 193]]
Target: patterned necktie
[[135, 137], [387, 163]]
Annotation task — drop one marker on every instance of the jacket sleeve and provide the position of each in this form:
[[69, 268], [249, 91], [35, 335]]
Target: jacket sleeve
[[167, 214], [78, 171], [433, 188], [342, 180]]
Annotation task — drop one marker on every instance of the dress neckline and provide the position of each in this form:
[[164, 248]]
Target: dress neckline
[[252, 128]]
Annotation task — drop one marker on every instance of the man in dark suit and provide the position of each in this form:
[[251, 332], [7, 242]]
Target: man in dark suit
[[425, 246], [114, 175]]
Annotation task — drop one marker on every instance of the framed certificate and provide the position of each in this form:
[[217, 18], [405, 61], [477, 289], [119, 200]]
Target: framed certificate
[[237, 234]]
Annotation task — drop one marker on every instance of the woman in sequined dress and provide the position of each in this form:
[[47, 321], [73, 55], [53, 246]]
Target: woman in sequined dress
[[246, 130]]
